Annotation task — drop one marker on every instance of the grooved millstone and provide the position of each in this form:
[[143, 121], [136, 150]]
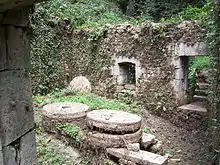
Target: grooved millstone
[[105, 140], [113, 121], [63, 112]]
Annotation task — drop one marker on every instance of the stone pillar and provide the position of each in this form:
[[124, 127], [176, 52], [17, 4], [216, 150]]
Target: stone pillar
[[17, 133]]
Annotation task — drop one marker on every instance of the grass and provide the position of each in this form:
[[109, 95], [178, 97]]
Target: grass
[[93, 101], [46, 154]]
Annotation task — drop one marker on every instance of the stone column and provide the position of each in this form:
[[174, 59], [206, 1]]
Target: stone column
[[17, 133]]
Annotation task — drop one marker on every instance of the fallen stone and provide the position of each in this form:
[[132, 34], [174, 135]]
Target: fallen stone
[[147, 140], [141, 157], [130, 87], [104, 140], [134, 147], [175, 160], [80, 83], [113, 121], [63, 112], [125, 162], [156, 147]]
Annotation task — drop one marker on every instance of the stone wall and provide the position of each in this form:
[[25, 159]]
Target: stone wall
[[154, 50], [17, 135]]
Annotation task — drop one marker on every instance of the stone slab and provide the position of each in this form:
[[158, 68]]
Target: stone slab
[[108, 140], [141, 157], [194, 106], [198, 49], [17, 55], [147, 140], [113, 120], [16, 112]]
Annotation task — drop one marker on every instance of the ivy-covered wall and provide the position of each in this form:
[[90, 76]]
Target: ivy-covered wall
[[70, 53]]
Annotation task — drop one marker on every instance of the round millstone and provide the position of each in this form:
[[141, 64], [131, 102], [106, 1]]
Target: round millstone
[[113, 121], [105, 140], [63, 112]]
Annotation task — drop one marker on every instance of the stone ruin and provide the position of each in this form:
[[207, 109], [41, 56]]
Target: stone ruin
[[118, 133], [17, 126]]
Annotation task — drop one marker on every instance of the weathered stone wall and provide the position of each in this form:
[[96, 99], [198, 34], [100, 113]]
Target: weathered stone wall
[[155, 49], [17, 138]]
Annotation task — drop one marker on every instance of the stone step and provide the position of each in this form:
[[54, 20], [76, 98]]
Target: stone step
[[195, 106], [201, 92], [203, 86], [141, 157], [197, 98]]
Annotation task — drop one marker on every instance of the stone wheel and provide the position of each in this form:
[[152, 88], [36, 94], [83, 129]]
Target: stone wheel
[[113, 121], [104, 140], [63, 112]]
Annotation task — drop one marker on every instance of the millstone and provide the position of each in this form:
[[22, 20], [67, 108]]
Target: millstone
[[108, 140], [63, 112], [113, 121]]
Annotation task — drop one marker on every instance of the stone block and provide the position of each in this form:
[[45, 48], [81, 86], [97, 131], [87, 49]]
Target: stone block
[[125, 162], [176, 62], [198, 49], [147, 140], [1, 158], [120, 88], [21, 151], [28, 149], [141, 157], [130, 87], [10, 155], [17, 55], [179, 74], [16, 112], [134, 147], [157, 147]]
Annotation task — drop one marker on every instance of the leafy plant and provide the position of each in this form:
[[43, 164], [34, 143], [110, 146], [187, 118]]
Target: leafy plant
[[70, 129]]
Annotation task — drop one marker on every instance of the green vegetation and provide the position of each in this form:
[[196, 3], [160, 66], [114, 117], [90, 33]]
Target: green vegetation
[[92, 100], [148, 130], [70, 129], [47, 156], [189, 13]]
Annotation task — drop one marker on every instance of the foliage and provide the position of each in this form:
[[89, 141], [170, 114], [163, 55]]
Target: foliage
[[47, 156], [70, 129], [189, 13], [92, 100], [148, 130]]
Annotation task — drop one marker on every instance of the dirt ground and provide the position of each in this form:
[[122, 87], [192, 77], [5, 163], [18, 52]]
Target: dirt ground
[[182, 146]]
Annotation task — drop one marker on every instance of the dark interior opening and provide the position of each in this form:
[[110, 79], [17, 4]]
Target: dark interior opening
[[127, 73]]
